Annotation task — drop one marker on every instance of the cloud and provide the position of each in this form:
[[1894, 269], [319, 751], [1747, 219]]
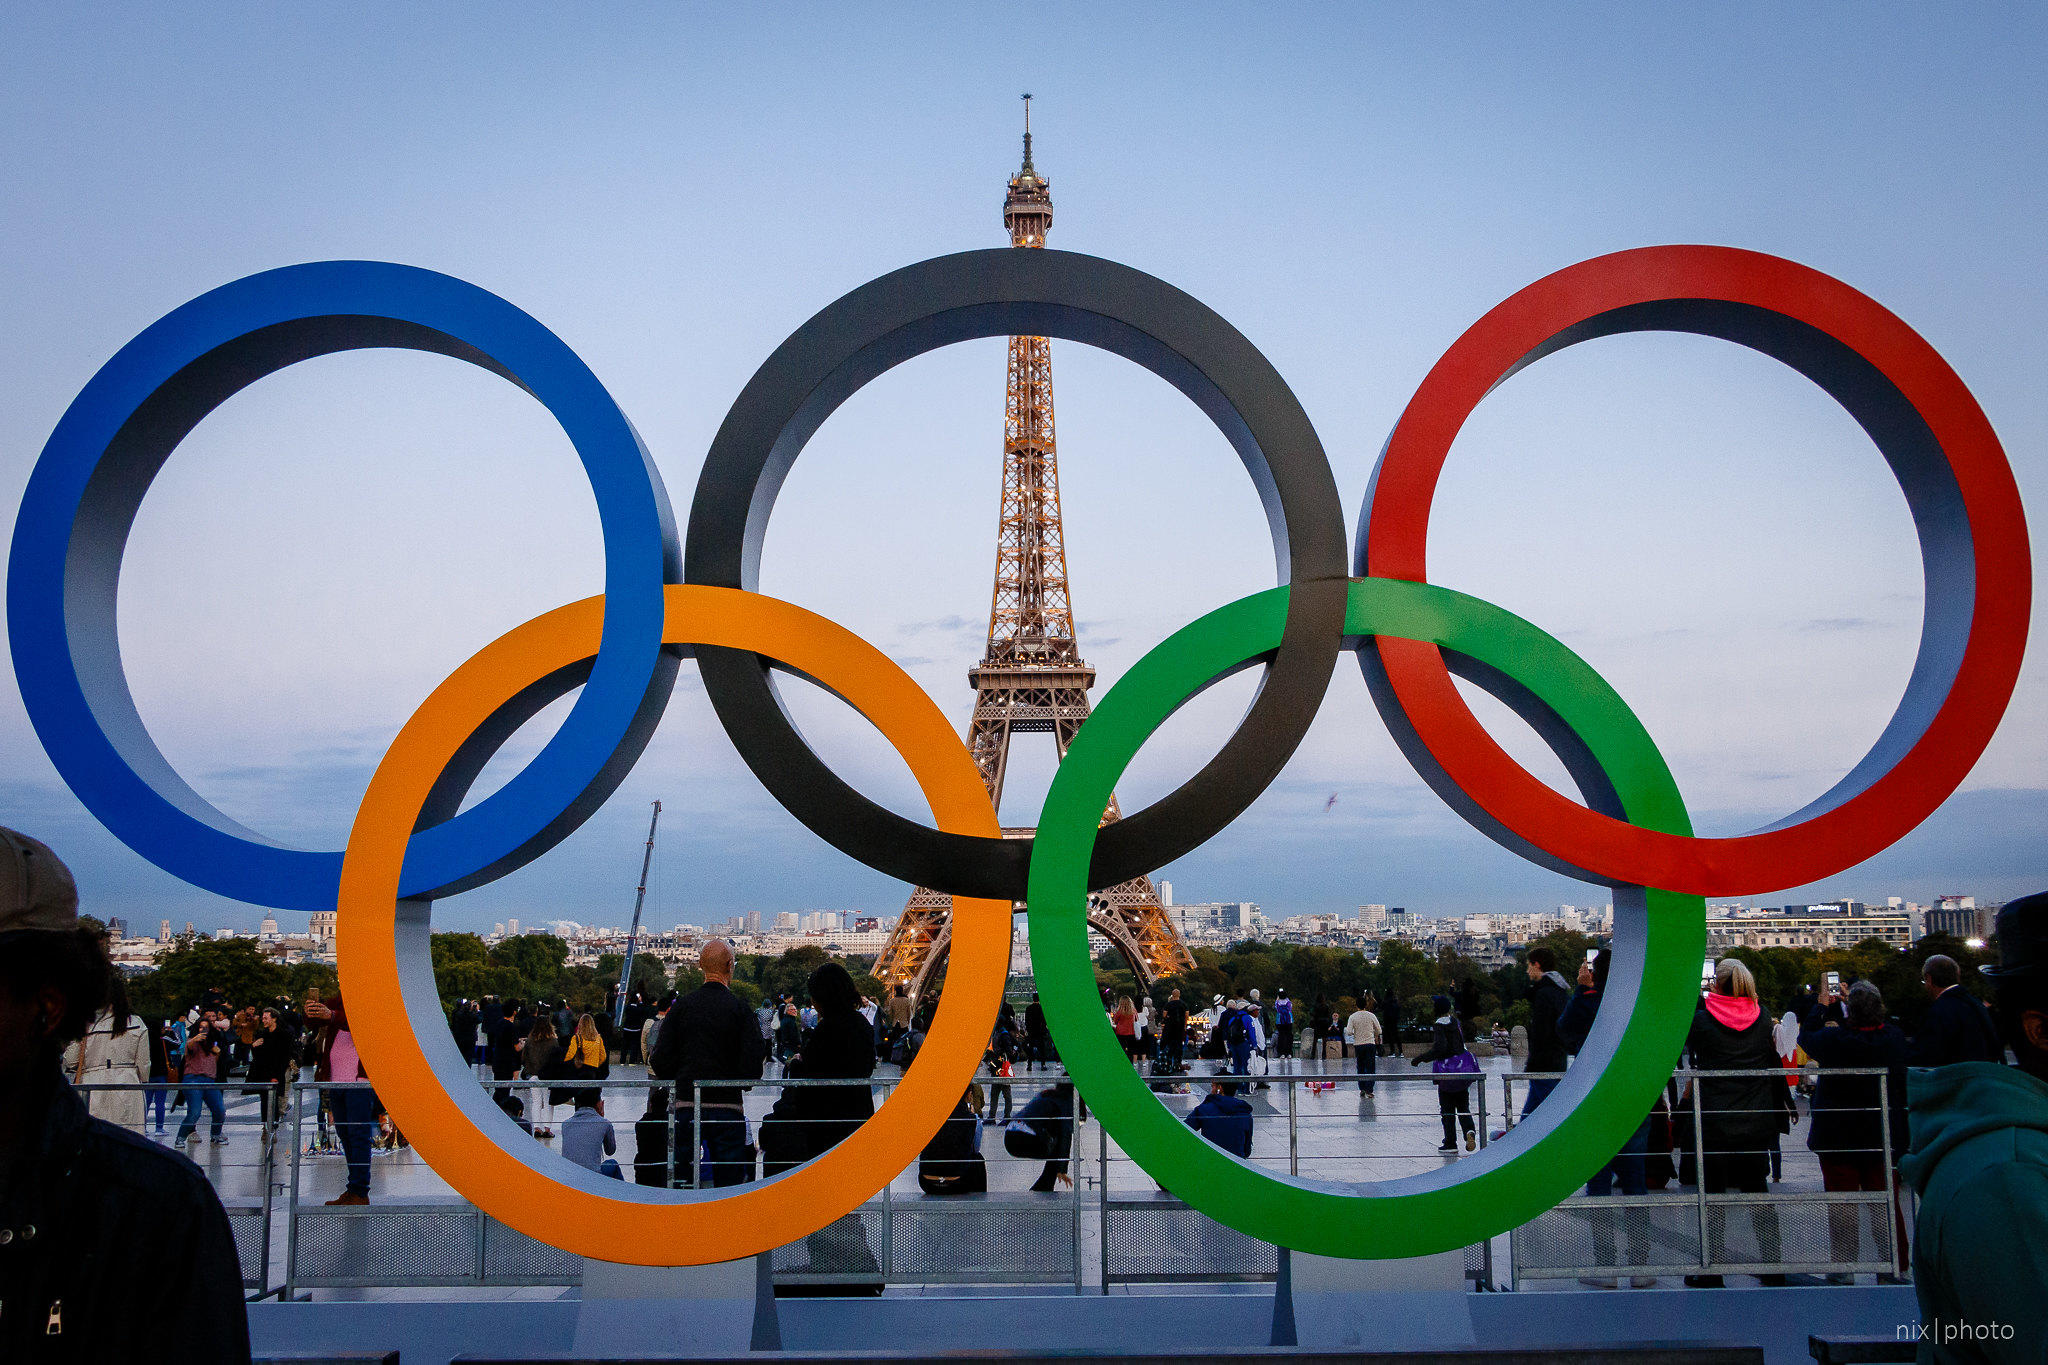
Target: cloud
[[945, 625], [1830, 625]]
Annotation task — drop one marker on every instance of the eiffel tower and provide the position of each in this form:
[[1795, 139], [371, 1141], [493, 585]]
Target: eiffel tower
[[1032, 679]]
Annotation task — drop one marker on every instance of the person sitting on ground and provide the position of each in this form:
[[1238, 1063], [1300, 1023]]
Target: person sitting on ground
[[588, 1138], [650, 1138], [1044, 1131], [1980, 1164], [114, 1249], [1225, 1118], [951, 1162]]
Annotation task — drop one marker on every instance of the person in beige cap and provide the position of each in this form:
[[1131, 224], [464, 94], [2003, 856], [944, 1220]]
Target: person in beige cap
[[111, 1247]]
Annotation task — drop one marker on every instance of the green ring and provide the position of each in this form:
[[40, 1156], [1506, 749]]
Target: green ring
[[1546, 1158]]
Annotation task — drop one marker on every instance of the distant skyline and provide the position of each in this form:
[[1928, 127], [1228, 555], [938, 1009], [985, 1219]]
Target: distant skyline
[[673, 191]]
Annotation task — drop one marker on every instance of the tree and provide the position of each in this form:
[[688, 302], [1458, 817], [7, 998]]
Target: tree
[[1405, 973], [649, 977], [319, 978], [538, 959], [238, 967], [790, 974]]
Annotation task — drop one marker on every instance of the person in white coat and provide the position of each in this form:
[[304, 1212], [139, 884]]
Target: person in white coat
[[1363, 1031], [115, 1050]]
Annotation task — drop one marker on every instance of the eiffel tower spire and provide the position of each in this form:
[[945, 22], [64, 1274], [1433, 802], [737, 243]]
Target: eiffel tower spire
[[1032, 677]]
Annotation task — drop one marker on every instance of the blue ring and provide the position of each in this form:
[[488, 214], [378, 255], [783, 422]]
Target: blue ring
[[81, 501]]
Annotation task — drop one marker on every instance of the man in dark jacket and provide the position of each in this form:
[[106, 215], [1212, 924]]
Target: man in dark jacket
[[1224, 1118], [1038, 1033], [709, 1035], [1548, 996], [1854, 1131], [1958, 1028], [1173, 1033], [111, 1247]]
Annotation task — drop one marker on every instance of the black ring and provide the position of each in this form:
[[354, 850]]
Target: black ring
[[1011, 292]]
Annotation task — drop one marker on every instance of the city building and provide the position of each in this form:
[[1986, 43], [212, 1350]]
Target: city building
[[1961, 917], [1832, 924]]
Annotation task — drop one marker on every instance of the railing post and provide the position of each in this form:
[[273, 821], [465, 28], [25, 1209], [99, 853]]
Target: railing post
[[1080, 1279], [888, 1225], [1890, 1217], [1699, 1170], [697, 1139], [291, 1208], [268, 1162], [1102, 1192], [1293, 1134], [669, 1116]]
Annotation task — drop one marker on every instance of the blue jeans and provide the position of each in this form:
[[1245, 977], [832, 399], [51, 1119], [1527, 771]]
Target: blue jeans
[[1539, 1091], [157, 1098], [198, 1089], [355, 1115], [726, 1149], [1368, 1062]]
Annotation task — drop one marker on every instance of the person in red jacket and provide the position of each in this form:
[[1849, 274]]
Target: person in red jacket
[[355, 1107], [1741, 1115]]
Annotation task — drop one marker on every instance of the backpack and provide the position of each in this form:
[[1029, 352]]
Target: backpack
[[1236, 1031]]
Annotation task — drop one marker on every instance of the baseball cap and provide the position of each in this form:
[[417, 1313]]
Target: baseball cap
[[36, 889]]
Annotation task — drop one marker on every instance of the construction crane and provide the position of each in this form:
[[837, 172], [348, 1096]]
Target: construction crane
[[633, 936]]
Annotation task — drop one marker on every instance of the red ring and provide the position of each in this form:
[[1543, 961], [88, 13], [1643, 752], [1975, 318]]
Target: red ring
[[1528, 325]]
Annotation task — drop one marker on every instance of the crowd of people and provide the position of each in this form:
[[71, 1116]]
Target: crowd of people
[[1977, 1127]]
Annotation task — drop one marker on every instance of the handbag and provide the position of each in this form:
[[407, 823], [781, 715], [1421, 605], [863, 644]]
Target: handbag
[[1460, 1064]]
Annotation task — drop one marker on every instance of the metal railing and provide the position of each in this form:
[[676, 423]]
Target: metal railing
[[242, 1173], [1736, 1214], [1113, 1226]]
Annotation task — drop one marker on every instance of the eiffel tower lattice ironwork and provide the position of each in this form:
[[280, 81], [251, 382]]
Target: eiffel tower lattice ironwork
[[1032, 679]]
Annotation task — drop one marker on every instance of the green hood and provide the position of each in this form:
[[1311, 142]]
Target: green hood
[[1950, 1105]]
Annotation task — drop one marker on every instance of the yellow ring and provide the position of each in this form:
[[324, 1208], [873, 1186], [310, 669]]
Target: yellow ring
[[642, 1225]]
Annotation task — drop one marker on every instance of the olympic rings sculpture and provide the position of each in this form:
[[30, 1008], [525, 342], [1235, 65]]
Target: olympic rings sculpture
[[412, 842]]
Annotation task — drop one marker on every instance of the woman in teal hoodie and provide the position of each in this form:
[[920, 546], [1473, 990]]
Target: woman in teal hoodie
[[1980, 1163]]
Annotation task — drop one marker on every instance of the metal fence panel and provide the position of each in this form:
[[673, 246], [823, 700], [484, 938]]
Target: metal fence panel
[[981, 1239], [846, 1251], [250, 1224], [1160, 1239], [510, 1257], [386, 1245]]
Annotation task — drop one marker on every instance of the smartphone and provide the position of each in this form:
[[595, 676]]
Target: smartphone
[[1833, 980], [1592, 956]]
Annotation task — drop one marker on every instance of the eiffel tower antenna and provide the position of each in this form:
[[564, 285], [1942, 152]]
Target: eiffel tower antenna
[[1032, 677]]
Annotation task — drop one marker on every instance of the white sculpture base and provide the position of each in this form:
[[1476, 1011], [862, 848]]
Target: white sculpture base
[[726, 1307], [1328, 1303]]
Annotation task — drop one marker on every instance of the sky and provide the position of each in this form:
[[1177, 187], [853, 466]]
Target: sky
[[674, 189]]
